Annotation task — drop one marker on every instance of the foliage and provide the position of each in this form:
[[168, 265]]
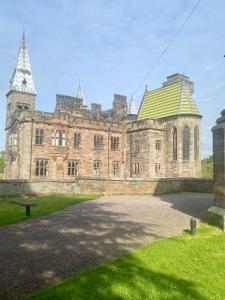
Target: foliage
[[1, 162], [183, 267], [207, 167], [12, 213]]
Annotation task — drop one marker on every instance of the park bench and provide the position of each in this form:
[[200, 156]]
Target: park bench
[[26, 205]]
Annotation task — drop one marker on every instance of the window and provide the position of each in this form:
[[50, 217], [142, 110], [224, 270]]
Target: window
[[39, 136], [114, 142], [157, 168], [116, 169], [59, 138], [73, 167], [22, 106], [98, 141], [174, 136], [196, 143], [136, 168], [96, 167], [41, 167], [158, 144], [136, 147], [77, 140], [186, 143], [13, 139]]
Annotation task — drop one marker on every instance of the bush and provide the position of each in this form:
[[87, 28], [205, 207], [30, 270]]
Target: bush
[[1, 162], [207, 167]]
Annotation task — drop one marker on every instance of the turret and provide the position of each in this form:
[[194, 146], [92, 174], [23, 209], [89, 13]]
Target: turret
[[21, 94]]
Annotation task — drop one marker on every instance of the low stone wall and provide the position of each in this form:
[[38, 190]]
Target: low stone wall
[[104, 186], [198, 185]]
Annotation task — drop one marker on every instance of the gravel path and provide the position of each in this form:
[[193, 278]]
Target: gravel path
[[45, 250]]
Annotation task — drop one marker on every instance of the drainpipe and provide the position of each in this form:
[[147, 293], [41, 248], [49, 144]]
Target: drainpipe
[[108, 152]]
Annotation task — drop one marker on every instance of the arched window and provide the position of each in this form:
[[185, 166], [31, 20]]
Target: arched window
[[196, 143], [174, 136], [186, 143]]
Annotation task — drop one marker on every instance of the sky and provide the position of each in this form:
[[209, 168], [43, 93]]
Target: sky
[[111, 45]]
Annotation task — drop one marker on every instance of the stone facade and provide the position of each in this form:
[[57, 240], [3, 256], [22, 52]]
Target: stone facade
[[217, 212], [141, 149], [74, 141], [105, 186]]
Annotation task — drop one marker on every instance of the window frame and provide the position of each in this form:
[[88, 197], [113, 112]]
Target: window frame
[[174, 143], [96, 167], [39, 136], [98, 141], [157, 168], [41, 167], [77, 139], [116, 168], [158, 145], [73, 167], [196, 143], [186, 143], [115, 142], [59, 138]]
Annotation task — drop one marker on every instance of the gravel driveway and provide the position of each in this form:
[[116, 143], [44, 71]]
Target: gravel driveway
[[45, 250]]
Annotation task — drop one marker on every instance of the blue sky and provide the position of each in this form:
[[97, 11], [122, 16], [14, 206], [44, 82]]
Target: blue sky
[[111, 45]]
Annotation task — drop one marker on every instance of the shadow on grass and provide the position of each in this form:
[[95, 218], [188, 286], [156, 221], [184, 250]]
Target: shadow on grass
[[127, 279], [46, 250]]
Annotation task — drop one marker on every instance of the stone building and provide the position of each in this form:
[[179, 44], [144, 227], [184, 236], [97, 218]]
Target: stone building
[[161, 140], [217, 211]]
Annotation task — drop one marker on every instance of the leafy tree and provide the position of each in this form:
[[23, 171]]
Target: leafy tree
[[207, 167], [1, 162]]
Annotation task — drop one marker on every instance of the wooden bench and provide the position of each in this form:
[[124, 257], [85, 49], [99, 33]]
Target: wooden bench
[[26, 205]]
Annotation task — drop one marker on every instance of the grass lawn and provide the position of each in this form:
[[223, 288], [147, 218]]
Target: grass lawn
[[177, 268], [11, 213]]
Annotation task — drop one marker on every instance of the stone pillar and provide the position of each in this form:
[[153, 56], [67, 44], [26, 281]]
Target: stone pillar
[[217, 211]]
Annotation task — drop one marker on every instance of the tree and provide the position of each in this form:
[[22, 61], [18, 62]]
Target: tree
[[2, 162], [207, 167]]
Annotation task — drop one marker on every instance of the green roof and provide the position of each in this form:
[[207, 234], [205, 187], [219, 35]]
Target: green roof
[[170, 100]]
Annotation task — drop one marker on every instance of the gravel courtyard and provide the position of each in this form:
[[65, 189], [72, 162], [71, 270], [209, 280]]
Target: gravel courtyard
[[39, 252]]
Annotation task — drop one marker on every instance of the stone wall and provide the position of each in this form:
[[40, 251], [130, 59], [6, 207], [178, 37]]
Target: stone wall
[[104, 186]]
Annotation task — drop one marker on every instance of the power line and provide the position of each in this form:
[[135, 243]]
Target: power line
[[167, 47]]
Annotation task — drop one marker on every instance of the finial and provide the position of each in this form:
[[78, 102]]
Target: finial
[[23, 36], [146, 88]]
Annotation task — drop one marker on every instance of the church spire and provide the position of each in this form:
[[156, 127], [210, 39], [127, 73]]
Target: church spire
[[22, 80], [132, 107], [80, 94]]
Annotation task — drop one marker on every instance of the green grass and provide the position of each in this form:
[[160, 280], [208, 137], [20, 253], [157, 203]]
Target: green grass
[[177, 268], [12, 213]]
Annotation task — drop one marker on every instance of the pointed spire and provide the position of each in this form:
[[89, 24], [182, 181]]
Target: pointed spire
[[22, 80], [80, 94], [132, 107]]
